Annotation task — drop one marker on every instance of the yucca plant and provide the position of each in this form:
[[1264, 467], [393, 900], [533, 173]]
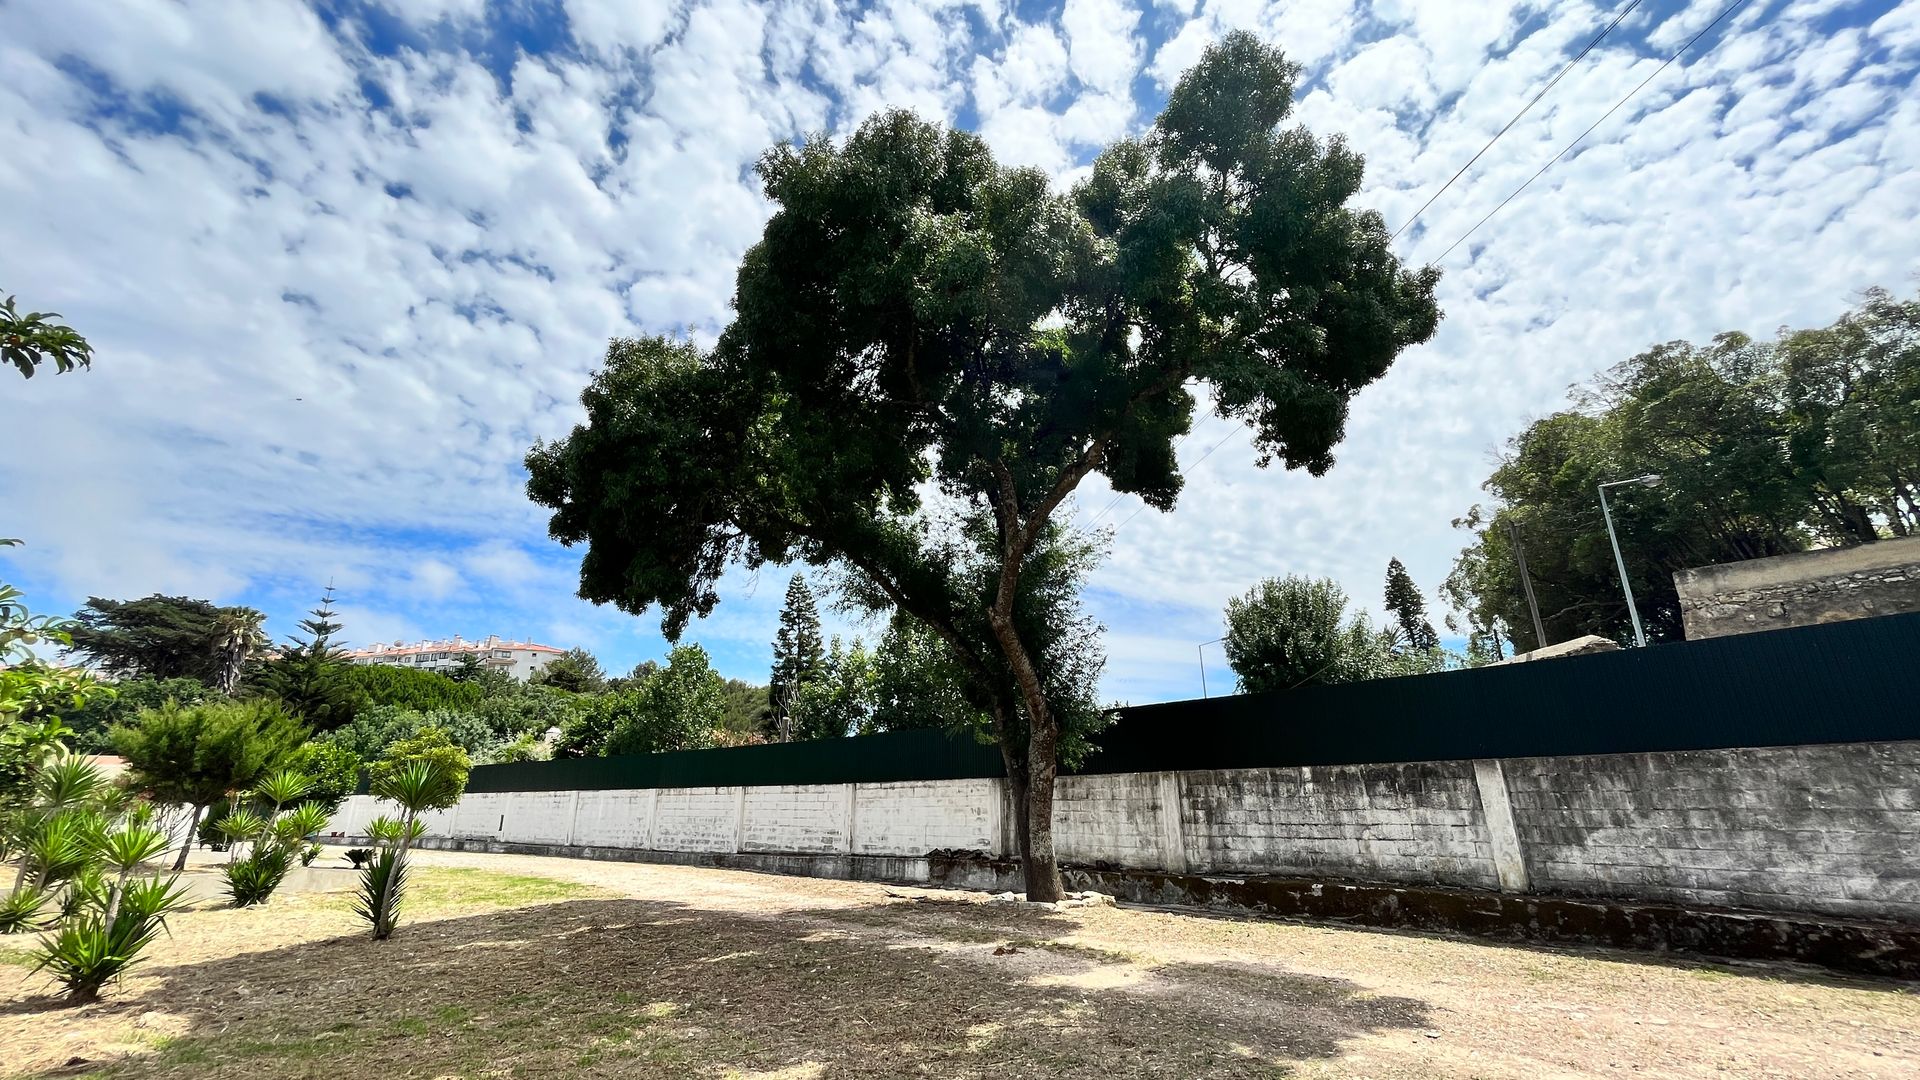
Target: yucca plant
[[22, 910], [415, 786], [239, 826], [89, 949], [253, 879], [123, 850], [69, 782]]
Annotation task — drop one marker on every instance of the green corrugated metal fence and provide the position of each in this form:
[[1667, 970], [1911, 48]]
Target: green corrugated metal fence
[[1846, 682]]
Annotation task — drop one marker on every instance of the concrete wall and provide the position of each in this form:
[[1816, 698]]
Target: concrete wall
[[1831, 829], [1801, 589]]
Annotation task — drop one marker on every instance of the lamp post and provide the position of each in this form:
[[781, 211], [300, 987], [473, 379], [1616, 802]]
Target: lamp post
[[1649, 480], [1200, 649]]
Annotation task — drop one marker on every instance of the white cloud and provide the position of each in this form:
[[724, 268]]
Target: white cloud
[[328, 331]]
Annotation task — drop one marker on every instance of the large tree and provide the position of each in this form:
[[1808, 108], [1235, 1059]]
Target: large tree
[[918, 318], [799, 656], [1763, 447], [1295, 631], [204, 753], [311, 675], [167, 637], [1409, 611]]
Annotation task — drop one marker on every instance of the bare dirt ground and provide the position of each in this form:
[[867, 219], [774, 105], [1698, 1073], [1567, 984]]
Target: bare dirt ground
[[511, 966]]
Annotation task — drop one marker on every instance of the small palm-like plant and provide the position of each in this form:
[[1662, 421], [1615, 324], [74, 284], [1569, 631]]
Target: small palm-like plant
[[67, 783], [415, 786], [238, 827], [123, 850], [253, 879], [89, 949], [21, 910]]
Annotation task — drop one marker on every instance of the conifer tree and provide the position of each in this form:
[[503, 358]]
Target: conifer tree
[[1409, 610], [799, 656], [310, 676]]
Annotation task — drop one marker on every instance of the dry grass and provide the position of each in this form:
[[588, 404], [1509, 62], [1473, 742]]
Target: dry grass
[[602, 970]]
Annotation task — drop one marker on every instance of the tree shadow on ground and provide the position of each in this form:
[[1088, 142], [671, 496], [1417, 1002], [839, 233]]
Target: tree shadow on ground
[[605, 988]]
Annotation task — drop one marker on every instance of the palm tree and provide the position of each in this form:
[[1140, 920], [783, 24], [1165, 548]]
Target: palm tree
[[416, 786], [236, 637]]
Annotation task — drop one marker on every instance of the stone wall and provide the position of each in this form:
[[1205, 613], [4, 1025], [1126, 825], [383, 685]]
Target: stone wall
[[1802, 589], [1828, 829]]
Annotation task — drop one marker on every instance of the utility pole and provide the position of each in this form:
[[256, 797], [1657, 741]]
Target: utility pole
[[1526, 583]]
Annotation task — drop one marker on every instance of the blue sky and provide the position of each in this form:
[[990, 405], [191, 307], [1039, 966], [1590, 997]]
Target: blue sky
[[344, 262]]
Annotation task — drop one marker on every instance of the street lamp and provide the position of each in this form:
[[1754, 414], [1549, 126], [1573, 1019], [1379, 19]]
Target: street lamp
[[1201, 650], [1649, 480]]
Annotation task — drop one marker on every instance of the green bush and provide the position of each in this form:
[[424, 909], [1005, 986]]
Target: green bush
[[412, 688], [92, 947], [432, 747], [22, 910], [251, 880]]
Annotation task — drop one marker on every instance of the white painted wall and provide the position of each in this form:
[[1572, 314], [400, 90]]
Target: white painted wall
[[1832, 829]]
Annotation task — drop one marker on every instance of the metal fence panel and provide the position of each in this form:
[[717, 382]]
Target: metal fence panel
[[1854, 681]]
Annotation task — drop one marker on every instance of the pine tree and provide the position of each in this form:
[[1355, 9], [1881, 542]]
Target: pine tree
[[1409, 610], [799, 656], [310, 675]]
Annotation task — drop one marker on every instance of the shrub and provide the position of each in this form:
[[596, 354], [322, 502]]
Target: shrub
[[432, 745], [91, 948], [253, 879], [359, 856], [412, 688], [308, 854], [20, 911]]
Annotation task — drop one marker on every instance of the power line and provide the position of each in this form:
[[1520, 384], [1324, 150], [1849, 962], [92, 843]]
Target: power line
[[1555, 81], [1717, 20], [1237, 429], [1119, 495]]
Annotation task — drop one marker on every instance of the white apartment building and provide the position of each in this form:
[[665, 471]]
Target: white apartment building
[[520, 659]]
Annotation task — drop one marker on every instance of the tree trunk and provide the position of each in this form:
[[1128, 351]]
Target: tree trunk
[[1039, 862], [193, 827]]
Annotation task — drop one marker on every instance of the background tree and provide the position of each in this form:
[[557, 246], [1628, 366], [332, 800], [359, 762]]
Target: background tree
[[411, 688], [575, 671], [200, 754], [375, 728], [680, 707], [312, 677], [749, 713], [34, 695], [236, 638], [838, 700], [1409, 611], [798, 655], [430, 746], [92, 722], [1294, 631], [160, 637], [1764, 448], [918, 684], [915, 313], [27, 341]]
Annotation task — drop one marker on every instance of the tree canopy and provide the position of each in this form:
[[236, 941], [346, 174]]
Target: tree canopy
[[311, 676], [918, 318], [1764, 447], [1294, 631], [575, 671], [166, 637]]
